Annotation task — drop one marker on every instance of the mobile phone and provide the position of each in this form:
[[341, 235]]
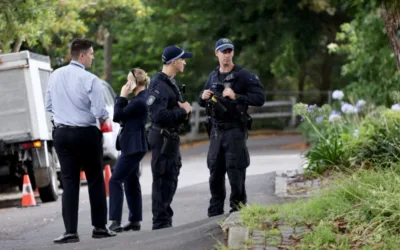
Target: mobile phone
[[133, 85]]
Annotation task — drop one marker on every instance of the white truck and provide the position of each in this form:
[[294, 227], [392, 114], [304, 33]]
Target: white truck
[[26, 142]]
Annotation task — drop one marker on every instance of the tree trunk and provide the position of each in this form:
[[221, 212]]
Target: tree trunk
[[107, 55], [17, 45], [391, 18], [301, 83], [326, 78], [327, 65]]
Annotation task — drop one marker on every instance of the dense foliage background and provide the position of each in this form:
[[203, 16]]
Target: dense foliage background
[[297, 47]]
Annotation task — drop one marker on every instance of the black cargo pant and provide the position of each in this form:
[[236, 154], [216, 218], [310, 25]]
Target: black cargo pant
[[227, 154], [81, 148], [165, 170]]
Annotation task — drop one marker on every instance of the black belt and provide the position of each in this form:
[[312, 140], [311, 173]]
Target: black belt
[[68, 126], [158, 128], [227, 125]]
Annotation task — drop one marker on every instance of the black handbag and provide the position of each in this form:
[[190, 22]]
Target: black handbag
[[117, 143]]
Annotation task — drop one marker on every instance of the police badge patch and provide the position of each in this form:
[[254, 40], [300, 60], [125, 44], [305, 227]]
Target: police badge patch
[[150, 100]]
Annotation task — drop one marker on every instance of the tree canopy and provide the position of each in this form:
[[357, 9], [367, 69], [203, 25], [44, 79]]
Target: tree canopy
[[292, 45]]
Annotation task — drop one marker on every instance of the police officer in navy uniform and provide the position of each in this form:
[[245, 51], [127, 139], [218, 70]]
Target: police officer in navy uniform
[[168, 111], [229, 90]]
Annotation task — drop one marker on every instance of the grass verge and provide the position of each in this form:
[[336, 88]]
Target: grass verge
[[355, 211]]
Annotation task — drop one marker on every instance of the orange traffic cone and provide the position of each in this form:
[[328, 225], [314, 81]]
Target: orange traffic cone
[[28, 198], [107, 176], [83, 176]]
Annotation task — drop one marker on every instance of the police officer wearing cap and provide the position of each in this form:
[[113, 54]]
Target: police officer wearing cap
[[229, 90], [168, 111]]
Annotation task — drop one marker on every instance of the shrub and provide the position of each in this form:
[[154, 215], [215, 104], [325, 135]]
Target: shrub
[[377, 142], [336, 137], [323, 128]]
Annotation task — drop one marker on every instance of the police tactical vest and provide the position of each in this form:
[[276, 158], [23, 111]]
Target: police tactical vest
[[217, 86]]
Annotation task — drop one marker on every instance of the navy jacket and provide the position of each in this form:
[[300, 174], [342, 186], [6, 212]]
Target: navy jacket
[[134, 116], [163, 99], [247, 87]]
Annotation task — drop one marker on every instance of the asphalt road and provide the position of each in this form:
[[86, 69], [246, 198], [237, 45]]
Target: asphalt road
[[36, 227]]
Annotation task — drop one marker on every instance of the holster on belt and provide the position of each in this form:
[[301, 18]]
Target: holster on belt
[[171, 143], [247, 120], [208, 125]]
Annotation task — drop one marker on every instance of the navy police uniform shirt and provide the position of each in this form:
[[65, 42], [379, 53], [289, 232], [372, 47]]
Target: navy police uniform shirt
[[246, 85], [162, 102]]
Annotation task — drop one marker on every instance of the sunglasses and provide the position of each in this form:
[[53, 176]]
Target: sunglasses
[[133, 73]]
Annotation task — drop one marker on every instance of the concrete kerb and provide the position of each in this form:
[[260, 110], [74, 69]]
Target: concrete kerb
[[240, 237], [287, 185], [235, 233]]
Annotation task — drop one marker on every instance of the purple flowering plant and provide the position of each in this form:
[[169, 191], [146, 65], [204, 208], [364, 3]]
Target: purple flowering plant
[[325, 127]]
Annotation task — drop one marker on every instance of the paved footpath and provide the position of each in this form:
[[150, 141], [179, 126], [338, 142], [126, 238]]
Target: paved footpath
[[35, 228]]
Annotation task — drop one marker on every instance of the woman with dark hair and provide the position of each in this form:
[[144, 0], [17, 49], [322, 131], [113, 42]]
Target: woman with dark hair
[[132, 142]]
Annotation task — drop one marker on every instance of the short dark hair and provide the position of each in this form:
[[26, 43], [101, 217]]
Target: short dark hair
[[79, 46]]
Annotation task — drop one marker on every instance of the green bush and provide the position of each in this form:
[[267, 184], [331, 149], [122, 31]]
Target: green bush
[[324, 134], [326, 154], [378, 140], [360, 135]]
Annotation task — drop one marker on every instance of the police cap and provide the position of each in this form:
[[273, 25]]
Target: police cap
[[223, 44], [172, 53]]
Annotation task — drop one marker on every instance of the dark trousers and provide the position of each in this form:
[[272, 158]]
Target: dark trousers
[[127, 172], [227, 154], [81, 148], [165, 170]]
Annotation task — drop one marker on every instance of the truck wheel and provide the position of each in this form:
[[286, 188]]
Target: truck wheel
[[50, 192]]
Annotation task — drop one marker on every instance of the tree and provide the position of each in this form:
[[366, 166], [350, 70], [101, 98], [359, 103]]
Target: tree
[[370, 66], [99, 16], [68, 26], [391, 18], [283, 42], [41, 26], [277, 40], [25, 21], [140, 42]]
